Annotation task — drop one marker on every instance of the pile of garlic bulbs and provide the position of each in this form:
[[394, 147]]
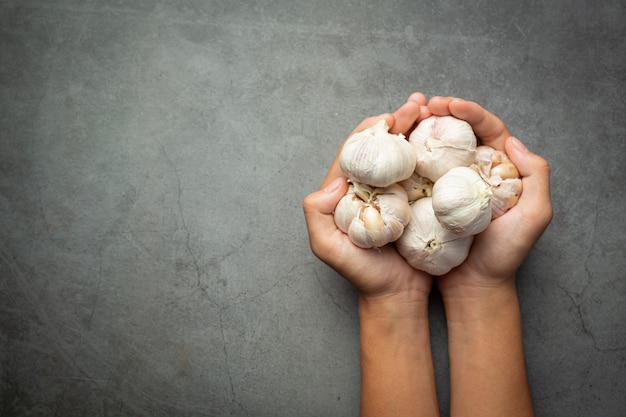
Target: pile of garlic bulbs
[[430, 194]]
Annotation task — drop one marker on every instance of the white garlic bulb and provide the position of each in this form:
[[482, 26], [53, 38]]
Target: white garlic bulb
[[377, 157], [442, 143], [427, 246], [417, 187], [502, 175], [461, 201], [373, 217]]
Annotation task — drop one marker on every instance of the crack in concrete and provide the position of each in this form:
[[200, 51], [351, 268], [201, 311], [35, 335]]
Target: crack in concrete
[[199, 274], [576, 298], [185, 228], [227, 363], [581, 317], [181, 214]]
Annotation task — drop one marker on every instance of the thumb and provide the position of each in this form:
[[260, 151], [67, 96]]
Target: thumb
[[528, 163], [325, 200], [535, 173], [319, 206]]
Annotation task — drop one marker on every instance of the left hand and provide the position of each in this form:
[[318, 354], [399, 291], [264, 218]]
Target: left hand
[[375, 272]]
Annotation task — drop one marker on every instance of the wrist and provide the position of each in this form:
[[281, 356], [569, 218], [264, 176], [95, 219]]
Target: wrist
[[393, 321], [408, 303], [471, 298], [397, 373], [485, 346]]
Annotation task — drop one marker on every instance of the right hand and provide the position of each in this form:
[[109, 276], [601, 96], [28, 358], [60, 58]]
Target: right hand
[[497, 252]]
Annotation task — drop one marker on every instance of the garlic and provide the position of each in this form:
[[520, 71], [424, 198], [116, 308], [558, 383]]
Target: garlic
[[373, 217], [417, 187], [442, 143], [377, 157], [502, 175], [461, 201], [427, 246]]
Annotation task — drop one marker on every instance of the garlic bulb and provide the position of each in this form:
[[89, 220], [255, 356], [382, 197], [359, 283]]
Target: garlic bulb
[[502, 175], [373, 217], [461, 201], [427, 246], [377, 157], [442, 143], [417, 187]]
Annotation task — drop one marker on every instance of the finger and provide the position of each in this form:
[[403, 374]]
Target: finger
[[421, 99], [410, 113], [405, 117], [535, 173], [318, 208], [418, 98], [439, 105], [528, 163], [425, 113], [488, 127]]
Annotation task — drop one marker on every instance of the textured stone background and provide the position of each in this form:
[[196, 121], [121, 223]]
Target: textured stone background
[[154, 155]]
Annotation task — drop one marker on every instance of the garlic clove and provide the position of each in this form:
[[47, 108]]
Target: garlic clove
[[377, 157], [373, 217], [368, 229], [429, 247], [442, 143], [502, 175], [348, 208], [461, 201], [498, 157], [505, 196], [417, 187], [504, 170], [372, 220]]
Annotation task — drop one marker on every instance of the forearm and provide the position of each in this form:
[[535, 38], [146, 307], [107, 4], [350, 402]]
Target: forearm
[[396, 360], [487, 366]]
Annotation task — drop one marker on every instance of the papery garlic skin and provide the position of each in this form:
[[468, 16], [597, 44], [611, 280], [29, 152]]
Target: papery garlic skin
[[491, 163], [417, 187], [442, 143], [502, 175], [427, 246], [462, 201], [373, 217], [377, 157], [505, 196]]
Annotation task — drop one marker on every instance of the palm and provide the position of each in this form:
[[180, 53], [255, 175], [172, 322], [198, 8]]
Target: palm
[[384, 270], [498, 251], [376, 271]]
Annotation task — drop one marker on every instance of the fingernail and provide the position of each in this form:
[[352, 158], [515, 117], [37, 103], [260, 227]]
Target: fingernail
[[333, 186], [518, 145]]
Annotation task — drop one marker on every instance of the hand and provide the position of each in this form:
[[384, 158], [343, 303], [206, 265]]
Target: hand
[[497, 253], [397, 374], [487, 367], [374, 272]]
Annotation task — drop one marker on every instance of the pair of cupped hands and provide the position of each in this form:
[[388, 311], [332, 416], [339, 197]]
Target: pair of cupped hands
[[496, 253]]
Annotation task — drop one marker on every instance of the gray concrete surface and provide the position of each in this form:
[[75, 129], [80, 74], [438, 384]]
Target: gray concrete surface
[[153, 157]]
